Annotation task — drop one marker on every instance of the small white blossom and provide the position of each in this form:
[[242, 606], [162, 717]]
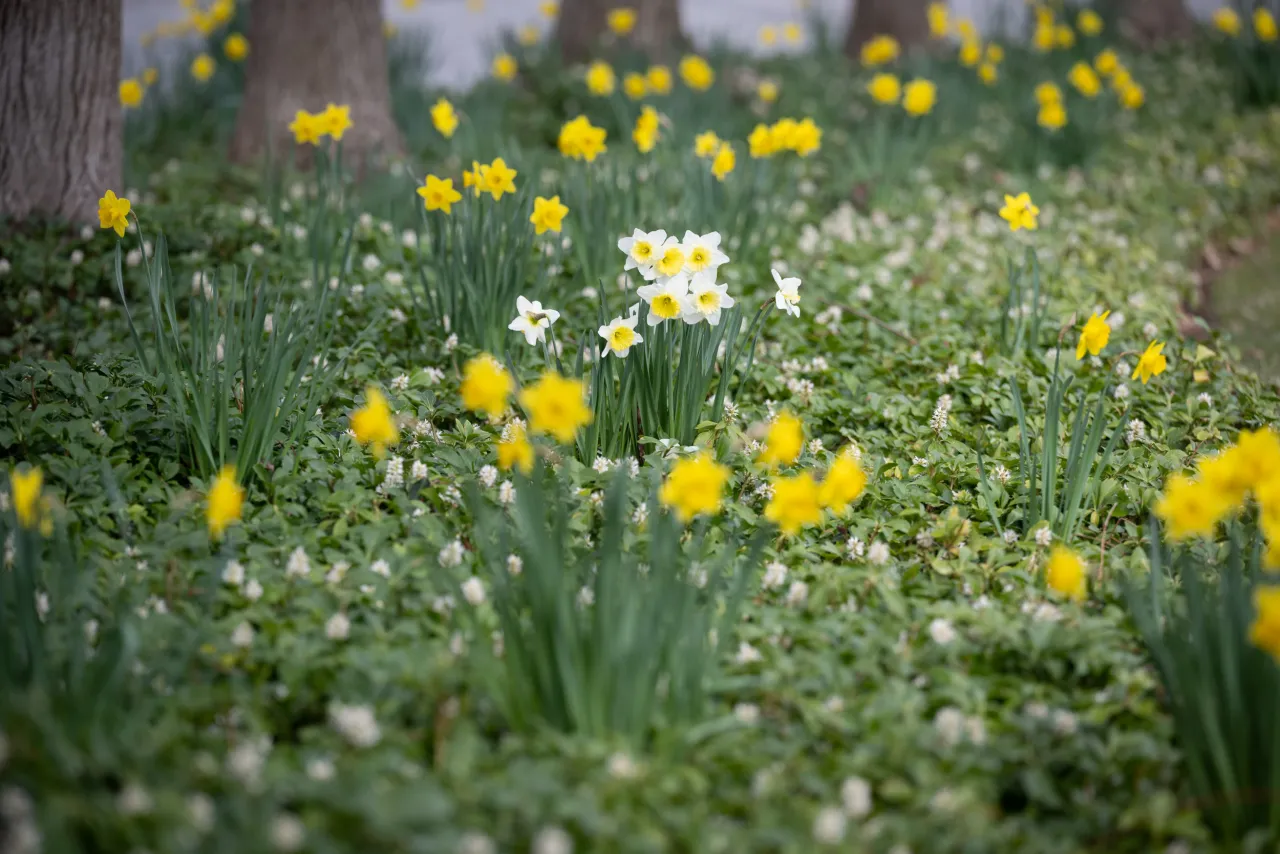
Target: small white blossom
[[855, 794], [242, 636], [418, 471], [506, 492], [337, 627], [288, 833], [855, 547], [253, 590], [747, 713], [473, 591], [942, 631], [829, 826], [488, 476], [299, 565], [233, 573], [1044, 536], [1135, 431], [623, 767], [552, 840], [452, 554], [356, 724], [515, 565], [748, 654], [949, 723], [797, 594], [775, 574], [938, 422], [878, 553], [320, 769]]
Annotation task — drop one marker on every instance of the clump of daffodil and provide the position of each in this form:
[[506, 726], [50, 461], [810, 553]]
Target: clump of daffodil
[[496, 178], [1065, 573], [1151, 363], [706, 144], [1264, 24], [24, 488], [1085, 79], [443, 118], [1094, 335], [646, 132], [439, 195], [515, 450], [1019, 212], [202, 67], [845, 481], [548, 214], [635, 86], [939, 20], [724, 161], [504, 67], [581, 140], [224, 503], [113, 212], [374, 424], [885, 88], [695, 486], [919, 96], [784, 440], [880, 50], [309, 128], [659, 79], [556, 406], [600, 78], [794, 504], [1227, 20], [131, 92], [621, 20], [1190, 508], [236, 47], [486, 385], [697, 73]]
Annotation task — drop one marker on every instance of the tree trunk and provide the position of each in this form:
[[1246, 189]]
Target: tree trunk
[[905, 20], [1152, 22], [583, 25], [304, 54], [61, 143]]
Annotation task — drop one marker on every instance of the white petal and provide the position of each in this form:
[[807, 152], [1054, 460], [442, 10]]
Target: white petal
[[523, 305]]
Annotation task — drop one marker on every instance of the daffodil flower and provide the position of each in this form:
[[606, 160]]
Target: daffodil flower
[[641, 250], [788, 296], [666, 299], [532, 320], [620, 334], [702, 255], [705, 301]]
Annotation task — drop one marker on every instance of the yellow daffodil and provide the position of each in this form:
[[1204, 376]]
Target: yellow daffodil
[[1052, 115], [807, 138], [130, 92], [528, 35], [697, 73], [879, 50], [918, 97], [694, 487], [439, 195], [225, 502], [706, 144], [646, 132], [1019, 212], [635, 86], [150, 75], [444, 118], [504, 67], [1264, 24], [794, 503], [1189, 508], [724, 161], [306, 128], [335, 120], [760, 142], [1227, 20], [1065, 573], [791, 32], [1044, 38], [556, 405], [622, 20], [939, 25], [236, 47], [486, 385], [497, 178], [1064, 36], [970, 53], [581, 140], [1264, 633], [784, 441], [24, 488], [1048, 93], [1085, 79], [202, 67], [1227, 473], [374, 423], [549, 9], [1094, 335], [548, 214], [515, 451], [1089, 22], [113, 212], [988, 73], [659, 79], [768, 35], [844, 482], [1151, 363], [1132, 96], [767, 91], [994, 54], [1106, 62], [600, 78], [885, 88]]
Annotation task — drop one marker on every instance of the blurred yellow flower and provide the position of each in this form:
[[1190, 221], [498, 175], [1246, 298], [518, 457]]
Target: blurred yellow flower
[[1089, 22], [1048, 93], [224, 503], [885, 88], [784, 441], [1065, 573], [556, 406], [622, 20], [150, 75], [236, 47], [791, 32], [438, 195], [130, 92], [794, 503], [1264, 24], [497, 178], [635, 86], [1264, 633], [24, 488], [202, 67], [444, 118], [1085, 79], [768, 35], [600, 78], [724, 162], [970, 53], [486, 385], [528, 35], [1188, 508], [1044, 38], [694, 487], [918, 97], [1132, 96], [306, 128], [767, 91], [549, 9], [1064, 36], [1019, 212], [938, 23], [966, 29], [1094, 335], [1227, 20], [697, 73], [988, 73], [113, 212], [515, 451], [504, 67], [844, 482], [1261, 451], [646, 132], [760, 142], [1228, 474], [581, 140], [335, 120], [1052, 115], [548, 214], [879, 50], [995, 54], [706, 144], [1106, 62], [374, 424], [807, 138], [1151, 363], [659, 77]]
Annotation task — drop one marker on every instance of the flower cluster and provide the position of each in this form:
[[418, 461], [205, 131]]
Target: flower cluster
[[803, 137], [581, 140], [310, 128], [682, 275], [799, 500]]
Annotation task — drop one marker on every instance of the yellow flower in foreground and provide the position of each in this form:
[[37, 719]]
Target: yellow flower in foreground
[[939, 26], [335, 120], [600, 78], [306, 128], [202, 67], [697, 73], [548, 214], [622, 20], [1052, 115], [760, 142], [1265, 631], [1019, 212], [694, 486], [1189, 508], [1226, 473], [1094, 335], [724, 161], [879, 50], [706, 144], [1085, 79], [794, 503], [374, 423], [439, 195], [504, 67], [497, 178], [1264, 24], [515, 451], [130, 92], [1106, 62], [25, 487], [236, 47], [225, 502], [1261, 451], [918, 97], [784, 441], [581, 140], [444, 118], [885, 88], [113, 212], [659, 79], [1227, 20], [1151, 363], [486, 385], [556, 406], [844, 482], [635, 85], [1065, 573], [1089, 22], [767, 91]]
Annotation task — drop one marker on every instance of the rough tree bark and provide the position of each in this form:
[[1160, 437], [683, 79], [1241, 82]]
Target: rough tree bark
[[1151, 22], [304, 54], [61, 145], [905, 20], [582, 25]]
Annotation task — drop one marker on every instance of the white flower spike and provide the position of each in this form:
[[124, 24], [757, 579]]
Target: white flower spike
[[532, 320], [788, 296], [621, 334], [705, 302], [702, 255], [641, 250], [666, 299]]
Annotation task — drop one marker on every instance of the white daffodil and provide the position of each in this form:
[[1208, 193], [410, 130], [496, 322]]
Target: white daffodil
[[702, 255], [641, 250], [533, 320], [788, 296], [704, 302], [621, 334], [668, 260], [665, 299]]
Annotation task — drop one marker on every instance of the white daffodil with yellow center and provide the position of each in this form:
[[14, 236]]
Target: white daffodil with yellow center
[[665, 299], [620, 335], [705, 302], [670, 261], [533, 320], [702, 255], [788, 296], [642, 250]]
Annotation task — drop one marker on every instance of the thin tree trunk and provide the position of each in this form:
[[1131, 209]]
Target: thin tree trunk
[[1152, 22], [304, 54], [61, 144], [582, 27], [905, 20]]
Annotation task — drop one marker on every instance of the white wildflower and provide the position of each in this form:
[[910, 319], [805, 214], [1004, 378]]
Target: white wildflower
[[775, 574], [855, 795], [233, 573], [242, 636], [451, 555], [878, 553], [356, 724], [829, 826], [299, 565], [473, 591], [337, 627]]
